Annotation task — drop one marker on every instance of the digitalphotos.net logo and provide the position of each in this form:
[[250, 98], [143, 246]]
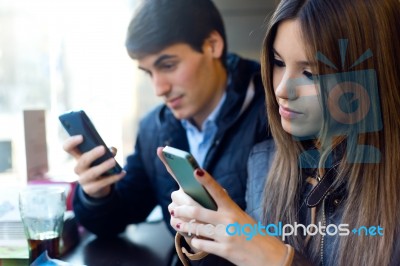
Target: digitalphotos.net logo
[[281, 230], [352, 103]]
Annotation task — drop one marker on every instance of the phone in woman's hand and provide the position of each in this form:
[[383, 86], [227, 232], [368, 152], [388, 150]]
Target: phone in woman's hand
[[183, 165]]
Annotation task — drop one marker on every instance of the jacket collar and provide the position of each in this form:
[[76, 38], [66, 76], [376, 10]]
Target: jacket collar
[[240, 73], [327, 182]]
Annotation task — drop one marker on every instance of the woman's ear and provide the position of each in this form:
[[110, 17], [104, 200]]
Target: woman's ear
[[215, 43]]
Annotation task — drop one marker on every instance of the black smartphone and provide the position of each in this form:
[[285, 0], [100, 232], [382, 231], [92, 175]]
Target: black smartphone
[[78, 123], [183, 165]]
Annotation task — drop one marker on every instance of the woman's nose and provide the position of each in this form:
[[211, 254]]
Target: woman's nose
[[284, 88], [289, 86]]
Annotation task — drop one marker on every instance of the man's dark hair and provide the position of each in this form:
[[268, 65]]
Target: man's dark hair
[[158, 24]]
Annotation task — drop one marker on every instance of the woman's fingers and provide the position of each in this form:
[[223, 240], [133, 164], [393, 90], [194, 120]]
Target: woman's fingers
[[177, 223], [194, 228], [215, 190], [181, 198], [198, 213], [208, 246], [161, 156]]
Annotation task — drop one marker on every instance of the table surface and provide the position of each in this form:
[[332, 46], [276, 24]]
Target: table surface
[[148, 243]]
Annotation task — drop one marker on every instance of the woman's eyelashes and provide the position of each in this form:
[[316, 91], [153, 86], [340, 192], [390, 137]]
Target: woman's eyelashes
[[309, 75], [279, 63], [306, 73]]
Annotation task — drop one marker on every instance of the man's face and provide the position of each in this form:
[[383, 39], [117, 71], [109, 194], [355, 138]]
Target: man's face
[[190, 82]]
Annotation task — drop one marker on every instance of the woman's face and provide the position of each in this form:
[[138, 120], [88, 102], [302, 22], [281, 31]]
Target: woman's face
[[295, 91]]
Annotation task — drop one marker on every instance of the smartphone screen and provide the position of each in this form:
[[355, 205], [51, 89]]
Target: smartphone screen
[[78, 123], [183, 165]]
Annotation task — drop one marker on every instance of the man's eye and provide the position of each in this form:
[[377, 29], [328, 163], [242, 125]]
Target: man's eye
[[278, 63], [168, 66], [309, 75]]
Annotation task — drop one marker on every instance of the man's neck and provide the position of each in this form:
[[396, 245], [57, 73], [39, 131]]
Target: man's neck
[[220, 88]]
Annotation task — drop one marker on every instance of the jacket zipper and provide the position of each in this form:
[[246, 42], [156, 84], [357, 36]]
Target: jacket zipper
[[322, 237]]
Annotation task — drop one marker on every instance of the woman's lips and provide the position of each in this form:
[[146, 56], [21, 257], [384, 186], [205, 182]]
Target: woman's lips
[[288, 113]]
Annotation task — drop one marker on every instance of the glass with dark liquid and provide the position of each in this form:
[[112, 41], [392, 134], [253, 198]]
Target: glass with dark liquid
[[50, 242], [42, 212]]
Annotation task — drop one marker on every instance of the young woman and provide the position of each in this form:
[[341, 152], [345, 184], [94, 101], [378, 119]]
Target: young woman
[[332, 78]]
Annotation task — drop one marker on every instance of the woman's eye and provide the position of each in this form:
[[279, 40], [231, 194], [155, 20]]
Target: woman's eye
[[309, 75], [278, 63]]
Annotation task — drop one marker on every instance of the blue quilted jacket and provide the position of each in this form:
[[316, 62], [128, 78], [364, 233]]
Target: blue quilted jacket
[[241, 124]]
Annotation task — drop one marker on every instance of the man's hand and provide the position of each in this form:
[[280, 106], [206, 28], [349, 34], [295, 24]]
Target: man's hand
[[90, 178]]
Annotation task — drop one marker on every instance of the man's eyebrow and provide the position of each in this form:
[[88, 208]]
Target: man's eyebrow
[[302, 63], [162, 58], [159, 61]]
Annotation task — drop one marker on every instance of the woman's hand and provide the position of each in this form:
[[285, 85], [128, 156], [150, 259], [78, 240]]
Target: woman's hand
[[208, 227], [178, 198]]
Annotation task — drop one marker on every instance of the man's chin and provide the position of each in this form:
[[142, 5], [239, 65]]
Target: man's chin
[[180, 115]]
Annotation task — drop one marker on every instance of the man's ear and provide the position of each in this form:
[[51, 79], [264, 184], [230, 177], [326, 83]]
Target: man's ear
[[215, 43]]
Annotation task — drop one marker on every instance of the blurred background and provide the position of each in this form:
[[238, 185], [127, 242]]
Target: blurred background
[[60, 55]]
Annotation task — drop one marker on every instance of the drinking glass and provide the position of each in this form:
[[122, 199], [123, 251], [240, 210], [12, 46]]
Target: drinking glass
[[42, 212]]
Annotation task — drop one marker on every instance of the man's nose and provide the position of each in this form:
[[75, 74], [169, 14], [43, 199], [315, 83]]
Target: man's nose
[[161, 85]]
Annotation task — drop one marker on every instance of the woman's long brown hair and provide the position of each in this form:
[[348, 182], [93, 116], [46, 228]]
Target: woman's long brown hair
[[373, 187]]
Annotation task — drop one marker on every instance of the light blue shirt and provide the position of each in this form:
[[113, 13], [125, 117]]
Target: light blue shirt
[[200, 140]]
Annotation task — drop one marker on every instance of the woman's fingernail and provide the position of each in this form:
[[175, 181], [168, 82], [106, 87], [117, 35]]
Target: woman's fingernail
[[199, 172], [172, 213], [178, 226]]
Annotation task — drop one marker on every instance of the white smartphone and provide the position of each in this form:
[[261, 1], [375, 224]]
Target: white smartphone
[[183, 165]]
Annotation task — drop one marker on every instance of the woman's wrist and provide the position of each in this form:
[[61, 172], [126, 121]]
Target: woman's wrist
[[289, 256], [273, 251]]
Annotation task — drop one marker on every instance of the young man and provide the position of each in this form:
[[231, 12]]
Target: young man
[[214, 108]]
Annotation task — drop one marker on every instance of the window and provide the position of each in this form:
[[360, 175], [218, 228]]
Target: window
[[60, 55]]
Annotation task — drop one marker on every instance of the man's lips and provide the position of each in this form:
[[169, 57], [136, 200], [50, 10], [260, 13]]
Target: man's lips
[[174, 102]]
